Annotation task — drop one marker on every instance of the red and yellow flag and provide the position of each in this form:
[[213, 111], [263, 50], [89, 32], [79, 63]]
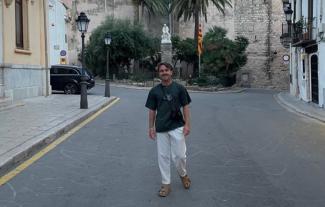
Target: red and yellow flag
[[200, 41]]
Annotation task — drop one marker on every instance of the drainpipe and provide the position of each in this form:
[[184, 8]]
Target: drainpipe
[[45, 6]]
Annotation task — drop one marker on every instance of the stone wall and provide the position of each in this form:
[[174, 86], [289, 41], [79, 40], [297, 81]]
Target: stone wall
[[279, 70], [252, 21], [260, 21], [214, 18], [23, 81]]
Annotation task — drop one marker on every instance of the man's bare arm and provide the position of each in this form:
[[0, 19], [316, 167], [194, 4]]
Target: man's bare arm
[[152, 130], [187, 126]]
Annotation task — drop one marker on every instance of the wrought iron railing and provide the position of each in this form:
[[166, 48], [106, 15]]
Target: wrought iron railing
[[305, 29]]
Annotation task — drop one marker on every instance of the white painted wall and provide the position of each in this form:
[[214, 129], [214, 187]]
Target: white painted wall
[[1, 52], [57, 31], [294, 90], [304, 10], [1, 33], [321, 56], [321, 73], [300, 86], [303, 76]]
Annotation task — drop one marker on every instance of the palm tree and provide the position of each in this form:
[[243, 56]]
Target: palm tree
[[153, 7], [196, 8]]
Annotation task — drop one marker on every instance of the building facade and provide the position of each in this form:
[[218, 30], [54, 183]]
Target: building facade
[[23, 56], [307, 51], [58, 25]]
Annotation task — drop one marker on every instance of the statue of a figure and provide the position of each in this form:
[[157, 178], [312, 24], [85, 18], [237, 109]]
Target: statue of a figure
[[165, 37]]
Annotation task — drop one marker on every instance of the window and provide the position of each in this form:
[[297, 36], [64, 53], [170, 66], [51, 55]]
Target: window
[[58, 71], [62, 71], [21, 16], [71, 71], [54, 71], [19, 24]]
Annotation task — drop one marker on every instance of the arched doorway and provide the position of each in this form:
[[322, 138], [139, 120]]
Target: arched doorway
[[314, 78]]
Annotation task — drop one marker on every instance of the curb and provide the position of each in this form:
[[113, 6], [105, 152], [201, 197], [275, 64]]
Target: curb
[[29, 148], [294, 109], [189, 90]]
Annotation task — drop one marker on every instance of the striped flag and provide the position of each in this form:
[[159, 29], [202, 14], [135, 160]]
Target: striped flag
[[200, 41]]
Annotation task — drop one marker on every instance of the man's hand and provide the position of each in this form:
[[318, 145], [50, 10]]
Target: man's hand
[[152, 133], [186, 130]]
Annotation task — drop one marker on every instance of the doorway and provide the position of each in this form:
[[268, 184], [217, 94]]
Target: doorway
[[314, 78]]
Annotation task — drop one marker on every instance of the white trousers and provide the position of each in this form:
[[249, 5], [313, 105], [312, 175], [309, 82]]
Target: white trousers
[[171, 143]]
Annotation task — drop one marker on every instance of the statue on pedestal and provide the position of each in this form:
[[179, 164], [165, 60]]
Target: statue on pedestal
[[165, 37]]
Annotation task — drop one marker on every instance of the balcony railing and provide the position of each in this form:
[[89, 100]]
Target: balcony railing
[[304, 30], [299, 33]]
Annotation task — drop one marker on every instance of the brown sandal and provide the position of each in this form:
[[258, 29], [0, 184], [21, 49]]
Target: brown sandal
[[186, 181], [164, 190]]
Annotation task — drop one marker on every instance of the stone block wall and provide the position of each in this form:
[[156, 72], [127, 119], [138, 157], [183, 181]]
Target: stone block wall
[[261, 22], [252, 21], [23, 81], [215, 18], [279, 69]]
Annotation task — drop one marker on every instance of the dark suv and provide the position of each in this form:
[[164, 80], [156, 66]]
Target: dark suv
[[67, 78]]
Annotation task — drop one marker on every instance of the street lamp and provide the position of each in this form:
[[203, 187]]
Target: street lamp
[[286, 4], [82, 23], [288, 12], [108, 39]]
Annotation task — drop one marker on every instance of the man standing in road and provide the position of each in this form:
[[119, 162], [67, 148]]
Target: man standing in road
[[169, 126]]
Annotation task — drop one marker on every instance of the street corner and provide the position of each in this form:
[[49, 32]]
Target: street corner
[[294, 105]]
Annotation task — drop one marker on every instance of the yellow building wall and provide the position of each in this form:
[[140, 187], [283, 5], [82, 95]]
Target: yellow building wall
[[35, 55]]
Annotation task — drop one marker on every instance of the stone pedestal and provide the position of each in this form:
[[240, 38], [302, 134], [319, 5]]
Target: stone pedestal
[[166, 52]]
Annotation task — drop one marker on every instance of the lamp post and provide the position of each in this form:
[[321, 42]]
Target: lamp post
[[288, 13], [82, 23], [108, 39], [286, 4]]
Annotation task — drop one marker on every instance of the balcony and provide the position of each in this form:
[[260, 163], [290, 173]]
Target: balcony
[[304, 32], [300, 34]]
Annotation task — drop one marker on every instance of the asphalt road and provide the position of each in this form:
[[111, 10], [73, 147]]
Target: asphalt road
[[244, 150]]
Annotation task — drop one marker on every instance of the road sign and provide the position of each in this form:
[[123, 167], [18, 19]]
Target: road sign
[[63, 53]]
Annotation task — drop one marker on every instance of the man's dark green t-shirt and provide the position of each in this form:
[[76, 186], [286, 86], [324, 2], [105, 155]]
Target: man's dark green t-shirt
[[159, 100]]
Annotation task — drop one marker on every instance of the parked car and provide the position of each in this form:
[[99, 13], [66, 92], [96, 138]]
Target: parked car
[[67, 78]]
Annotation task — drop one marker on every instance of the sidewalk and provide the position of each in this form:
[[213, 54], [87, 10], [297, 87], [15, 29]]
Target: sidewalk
[[36, 122], [296, 105]]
